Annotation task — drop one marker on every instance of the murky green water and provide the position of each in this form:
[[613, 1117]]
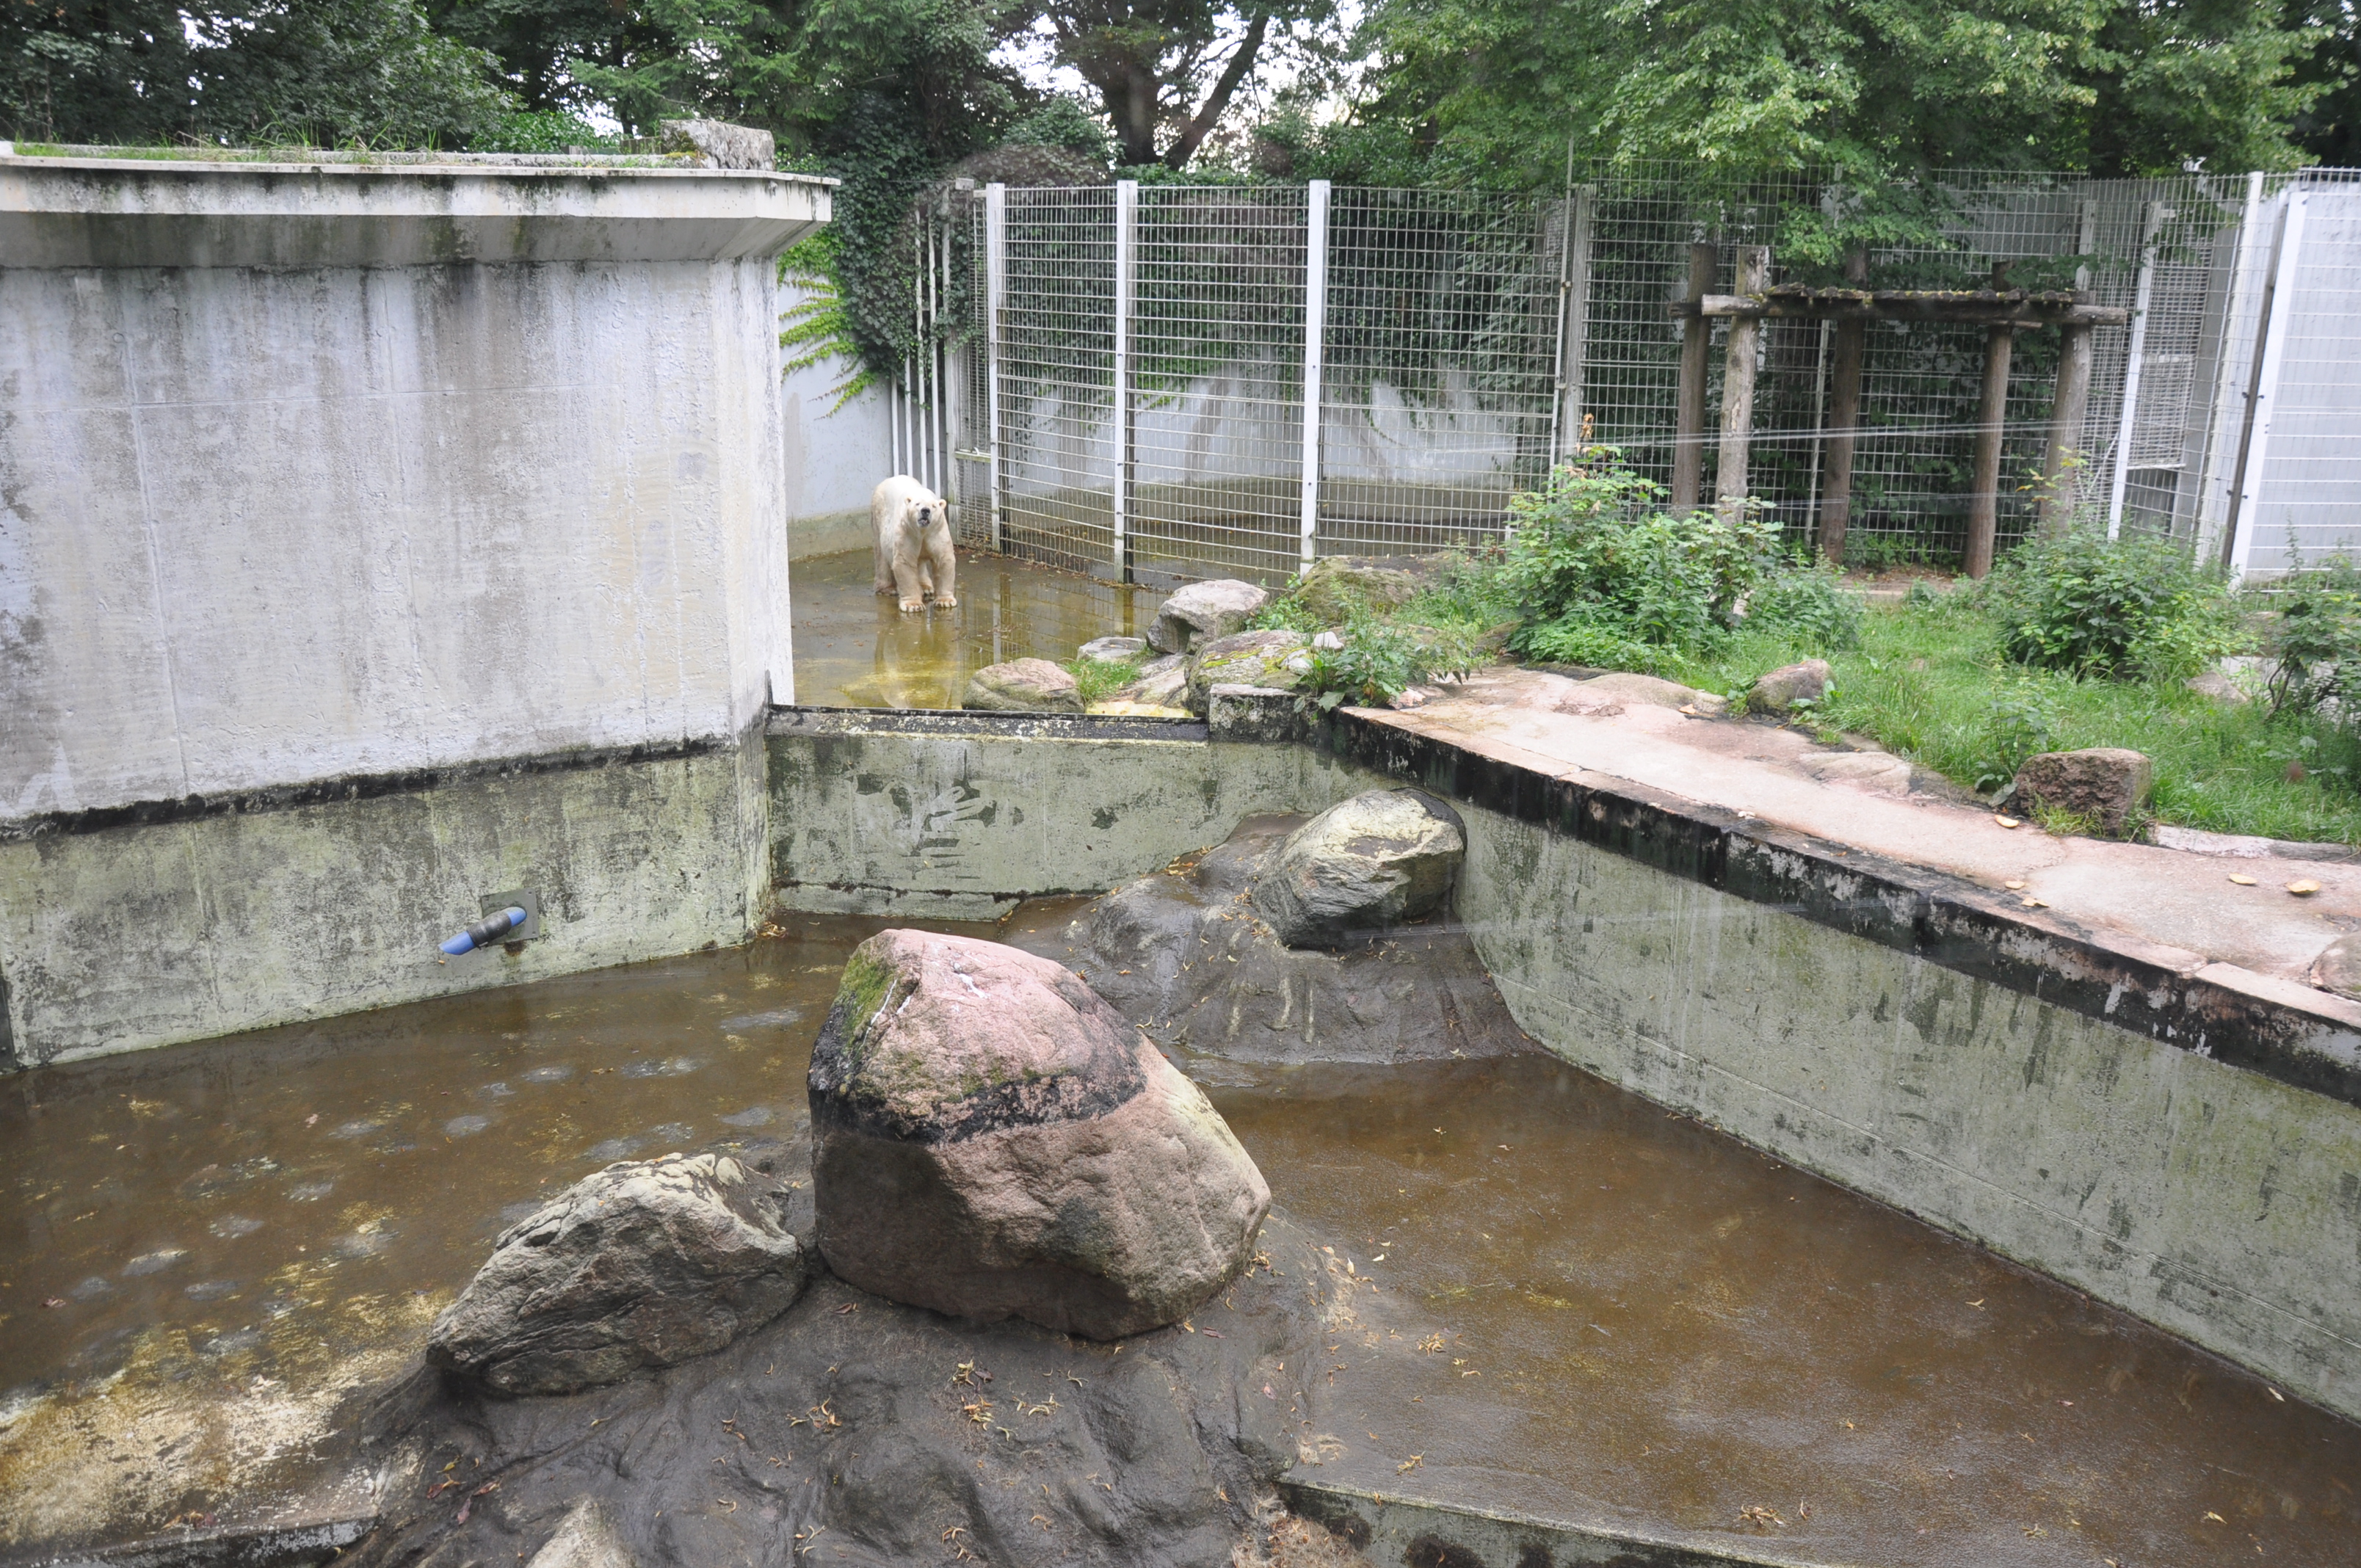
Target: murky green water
[[1626, 1314], [856, 649]]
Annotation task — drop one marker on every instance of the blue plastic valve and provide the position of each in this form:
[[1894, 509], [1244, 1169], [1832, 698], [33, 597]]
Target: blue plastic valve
[[486, 931]]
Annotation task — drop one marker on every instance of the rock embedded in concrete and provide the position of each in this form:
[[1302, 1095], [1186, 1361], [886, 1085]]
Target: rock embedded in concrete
[[1377, 860], [720, 144], [1163, 683], [1783, 689], [1274, 660], [1623, 688], [992, 1140], [2104, 785], [1111, 650], [1023, 686], [1202, 611], [642, 1265], [2338, 967]]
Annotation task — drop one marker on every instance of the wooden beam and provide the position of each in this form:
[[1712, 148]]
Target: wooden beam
[[1982, 309], [1738, 381], [2067, 407], [1843, 418], [1983, 500], [1688, 414]]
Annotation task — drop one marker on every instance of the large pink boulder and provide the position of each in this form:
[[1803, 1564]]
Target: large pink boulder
[[992, 1140]]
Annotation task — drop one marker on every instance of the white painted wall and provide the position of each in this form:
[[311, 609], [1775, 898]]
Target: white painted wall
[[834, 456], [265, 525]]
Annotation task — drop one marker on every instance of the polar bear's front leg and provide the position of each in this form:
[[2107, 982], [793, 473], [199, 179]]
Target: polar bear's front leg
[[905, 572], [944, 559]]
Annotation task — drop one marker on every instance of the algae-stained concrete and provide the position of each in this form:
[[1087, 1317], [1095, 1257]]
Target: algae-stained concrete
[[148, 934], [2214, 1202], [962, 816]]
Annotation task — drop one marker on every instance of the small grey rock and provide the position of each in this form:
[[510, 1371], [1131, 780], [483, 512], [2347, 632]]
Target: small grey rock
[[584, 1539], [1378, 860], [1332, 584], [1111, 650], [1203, 611], [1625, 687], [2104, 784], [2338, 967], [1783, 689], [640, 1266], [1023, 686]]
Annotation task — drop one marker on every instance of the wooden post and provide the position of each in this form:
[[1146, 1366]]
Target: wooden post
[[1738, 380], [1991, 409], [2067, 408], [1844, 418], [1688, 415]]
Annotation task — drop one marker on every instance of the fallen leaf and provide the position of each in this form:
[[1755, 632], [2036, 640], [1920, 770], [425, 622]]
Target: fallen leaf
[[2303, 889], [2217, 1519], [2032, 903], [2009, 821], [1413, 1463], [2014, 884], [2241, 879]]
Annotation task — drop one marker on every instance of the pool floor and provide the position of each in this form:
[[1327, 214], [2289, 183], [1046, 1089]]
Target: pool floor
[[1580, 1307], [855, 649]]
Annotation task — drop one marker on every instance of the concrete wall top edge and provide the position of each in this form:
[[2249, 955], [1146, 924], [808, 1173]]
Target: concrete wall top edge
[[65, 212], [2304, 1039]]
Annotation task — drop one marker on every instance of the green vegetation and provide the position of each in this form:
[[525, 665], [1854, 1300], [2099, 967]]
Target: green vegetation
[[1099, 679]]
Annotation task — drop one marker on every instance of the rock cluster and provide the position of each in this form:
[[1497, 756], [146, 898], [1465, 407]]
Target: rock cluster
[[992, 1139], [1266, 660], [1023, 686], [641, 1264], [1783, 689]]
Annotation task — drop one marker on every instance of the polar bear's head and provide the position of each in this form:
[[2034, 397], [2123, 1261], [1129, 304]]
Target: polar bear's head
[[921, 507]]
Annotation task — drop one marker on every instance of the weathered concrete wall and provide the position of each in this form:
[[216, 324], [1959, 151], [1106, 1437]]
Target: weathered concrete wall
[[834, 458], [962, 817], [316, 481], [2214, 1202], [120, 938]]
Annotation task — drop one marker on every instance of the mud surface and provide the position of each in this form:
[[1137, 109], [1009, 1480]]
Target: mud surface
[[1618, 1315], [854, 649]]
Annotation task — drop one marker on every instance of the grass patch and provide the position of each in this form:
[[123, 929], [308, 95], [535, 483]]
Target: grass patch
[[1930, 682], [1101, 679]]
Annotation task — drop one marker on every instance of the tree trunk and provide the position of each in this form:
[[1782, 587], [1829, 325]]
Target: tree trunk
[[1209, 115]]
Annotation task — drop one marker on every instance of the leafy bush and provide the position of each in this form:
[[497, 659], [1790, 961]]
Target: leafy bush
[[1601, 577], [2140, 606], [1810, 605], [1380, 659], [2022, 722], [2316, 640], [1095, 679]]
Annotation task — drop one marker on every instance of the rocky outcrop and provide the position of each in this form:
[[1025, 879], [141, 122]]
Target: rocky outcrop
[[1023, 686], [720, 145], [1183, 953], [1783, 689], [1628, 688], [1202, 611], [2104, 785], [2338, 967], [644, 1264], [1111, 650], [994, 1140], [1162, 683], [1336, 584], [1377, 860], [1272, 660]]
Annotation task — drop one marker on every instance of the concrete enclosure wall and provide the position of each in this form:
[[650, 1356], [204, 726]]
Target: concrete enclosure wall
[[314, 478], [835, 455]]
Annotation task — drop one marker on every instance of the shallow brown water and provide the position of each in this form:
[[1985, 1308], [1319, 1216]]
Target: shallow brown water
[[855, 649], [1634, 1319]]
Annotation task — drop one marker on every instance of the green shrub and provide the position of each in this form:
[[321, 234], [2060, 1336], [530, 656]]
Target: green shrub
[[2140, 606], [2316, 638], [1600, 576], [1807, 604], [1380, 659], [1095, 678]]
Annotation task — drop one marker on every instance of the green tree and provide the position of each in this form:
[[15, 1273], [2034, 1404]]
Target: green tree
[[1176, 65], [328, 71], [1491, 90]]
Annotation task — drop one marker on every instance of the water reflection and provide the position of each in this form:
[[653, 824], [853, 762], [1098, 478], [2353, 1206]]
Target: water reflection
[[855, 649]]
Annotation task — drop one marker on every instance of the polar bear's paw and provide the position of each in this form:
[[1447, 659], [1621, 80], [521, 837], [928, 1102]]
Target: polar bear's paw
[[946, 602]]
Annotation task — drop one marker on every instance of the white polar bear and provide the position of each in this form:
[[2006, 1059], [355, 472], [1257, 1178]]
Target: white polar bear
[[914, 543]]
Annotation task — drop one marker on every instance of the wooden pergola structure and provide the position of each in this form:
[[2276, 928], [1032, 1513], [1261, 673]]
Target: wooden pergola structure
[[2003, 311]]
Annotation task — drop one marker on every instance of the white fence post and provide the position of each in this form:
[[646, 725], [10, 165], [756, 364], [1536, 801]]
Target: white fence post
[[995, 299], [2151, 221], [2278, 297], [1572, 319], [2213, 485], [1126, 251], [1315, 337]]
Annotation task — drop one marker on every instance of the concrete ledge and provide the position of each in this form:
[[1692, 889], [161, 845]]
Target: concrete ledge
[[70, 212], [2306, 1038], [1418, 1531]]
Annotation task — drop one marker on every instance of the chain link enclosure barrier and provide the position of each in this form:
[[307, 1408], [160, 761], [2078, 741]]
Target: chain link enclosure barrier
[[1115, 378]]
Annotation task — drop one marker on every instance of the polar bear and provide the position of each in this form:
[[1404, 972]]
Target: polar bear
[[914, 543]]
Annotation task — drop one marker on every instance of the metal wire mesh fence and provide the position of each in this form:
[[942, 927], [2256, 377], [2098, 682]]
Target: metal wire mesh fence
[[1125, 370]]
